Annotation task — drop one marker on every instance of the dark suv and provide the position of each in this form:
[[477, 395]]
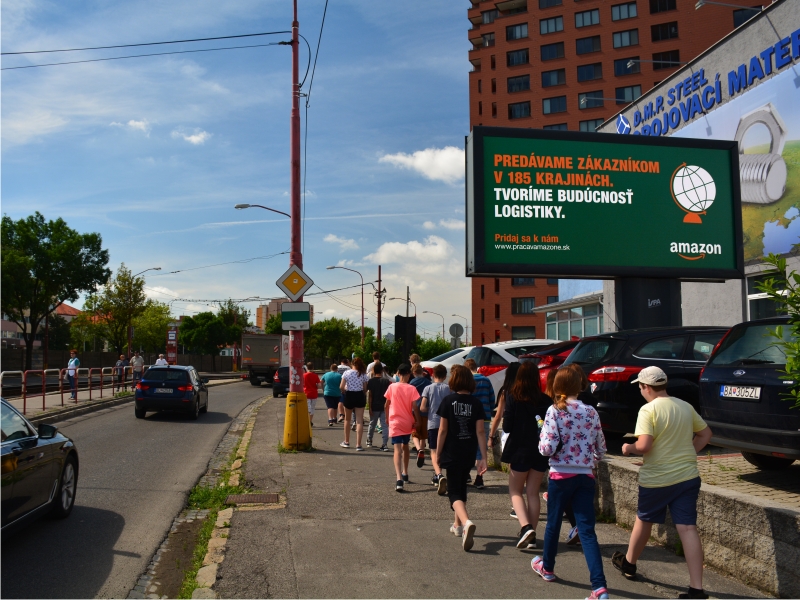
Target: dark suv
[[612, 360], [171, 388], [743, 398]]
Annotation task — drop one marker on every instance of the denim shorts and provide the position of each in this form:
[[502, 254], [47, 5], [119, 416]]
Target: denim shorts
[[401, 439], [433, 436], [681, 498], [332, 402]]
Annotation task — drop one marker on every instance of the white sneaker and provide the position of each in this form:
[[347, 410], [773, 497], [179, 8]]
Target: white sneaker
[[466, 539], [572, 536], [457, 531]]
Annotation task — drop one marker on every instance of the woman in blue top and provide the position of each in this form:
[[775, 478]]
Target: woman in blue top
[[331, 393]]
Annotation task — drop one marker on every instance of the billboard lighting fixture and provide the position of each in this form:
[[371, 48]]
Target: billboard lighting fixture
[[701, 3], [633, 61]]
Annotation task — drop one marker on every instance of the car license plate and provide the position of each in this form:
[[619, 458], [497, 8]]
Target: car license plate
[[164, 390], [744, 392]]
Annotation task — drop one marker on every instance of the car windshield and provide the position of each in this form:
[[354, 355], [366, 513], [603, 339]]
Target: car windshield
[[166, 375], [446, 355], [751, 345], [485, 356], [592, 351], [526, 349]]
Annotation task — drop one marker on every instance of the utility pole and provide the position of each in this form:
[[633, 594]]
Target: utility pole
[[379, 294], [408, 300]]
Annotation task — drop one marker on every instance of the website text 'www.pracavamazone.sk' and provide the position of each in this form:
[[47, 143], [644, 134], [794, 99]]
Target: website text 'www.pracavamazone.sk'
[[529, 242], [530, 247]]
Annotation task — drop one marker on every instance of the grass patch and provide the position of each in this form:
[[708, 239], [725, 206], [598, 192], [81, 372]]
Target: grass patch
[[602, 517], [189, 580]]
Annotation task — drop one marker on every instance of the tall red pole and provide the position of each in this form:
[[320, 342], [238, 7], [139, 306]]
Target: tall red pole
[[380, 297], [296, 256]]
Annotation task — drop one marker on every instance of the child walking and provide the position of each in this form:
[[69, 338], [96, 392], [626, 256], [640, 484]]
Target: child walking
[[461, 433], [376, 390], [573, 439], [432, 397], [400, 397]]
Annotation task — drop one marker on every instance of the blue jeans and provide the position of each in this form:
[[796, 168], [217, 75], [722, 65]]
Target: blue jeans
[[580, 491], [373, 421], [73, 388]]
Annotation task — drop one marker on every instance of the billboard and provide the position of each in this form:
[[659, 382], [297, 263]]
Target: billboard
[[589, 205]]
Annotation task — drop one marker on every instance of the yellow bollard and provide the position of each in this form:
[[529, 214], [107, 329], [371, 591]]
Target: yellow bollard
[[297, 426]]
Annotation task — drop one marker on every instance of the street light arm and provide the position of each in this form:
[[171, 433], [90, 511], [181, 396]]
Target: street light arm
[[280, 212]]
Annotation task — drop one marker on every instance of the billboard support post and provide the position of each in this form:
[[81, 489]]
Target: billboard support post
[[647, 302]]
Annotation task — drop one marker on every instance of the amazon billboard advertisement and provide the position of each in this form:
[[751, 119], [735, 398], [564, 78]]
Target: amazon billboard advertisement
[[590, 205]]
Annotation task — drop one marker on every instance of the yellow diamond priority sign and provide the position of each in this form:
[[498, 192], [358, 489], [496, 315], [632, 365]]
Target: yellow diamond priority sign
[[294, 283]]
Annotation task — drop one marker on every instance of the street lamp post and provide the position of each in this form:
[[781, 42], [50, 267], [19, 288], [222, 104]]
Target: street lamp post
[[407, 301], [430, 312], [466, 327], [362, 298], [130, 324]]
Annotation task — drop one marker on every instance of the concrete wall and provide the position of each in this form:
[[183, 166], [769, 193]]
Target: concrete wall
[[712, 303], [748, 538]]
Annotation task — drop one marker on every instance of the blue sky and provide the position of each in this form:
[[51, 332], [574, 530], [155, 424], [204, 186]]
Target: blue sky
[[154, 152]]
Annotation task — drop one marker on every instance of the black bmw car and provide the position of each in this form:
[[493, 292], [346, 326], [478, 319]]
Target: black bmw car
[[39, 470], [171, 388], [744, 399], [612, 360]]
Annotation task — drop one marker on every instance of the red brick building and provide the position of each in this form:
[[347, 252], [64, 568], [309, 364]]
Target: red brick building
[[569, 64]]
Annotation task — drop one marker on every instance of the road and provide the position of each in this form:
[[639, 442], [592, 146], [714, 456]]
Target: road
[[134, 478]]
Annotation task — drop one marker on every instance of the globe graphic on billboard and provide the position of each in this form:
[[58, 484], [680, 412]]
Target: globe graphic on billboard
[[694, 191]]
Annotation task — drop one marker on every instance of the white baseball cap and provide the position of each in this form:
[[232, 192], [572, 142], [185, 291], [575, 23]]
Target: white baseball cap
[[651, 376]]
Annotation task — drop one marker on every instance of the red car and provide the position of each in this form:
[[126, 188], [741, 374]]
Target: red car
[[550, 358]]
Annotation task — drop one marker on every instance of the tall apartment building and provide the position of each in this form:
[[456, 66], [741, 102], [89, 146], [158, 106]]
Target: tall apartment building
[[569, 64]]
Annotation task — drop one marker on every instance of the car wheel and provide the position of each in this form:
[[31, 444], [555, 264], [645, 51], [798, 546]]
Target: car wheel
[[196, 411], [205, 407], [255, 381], [65, 495], [767, 463], [139, 412]]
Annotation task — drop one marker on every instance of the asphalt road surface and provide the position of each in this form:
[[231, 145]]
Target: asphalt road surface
[[134, 478]]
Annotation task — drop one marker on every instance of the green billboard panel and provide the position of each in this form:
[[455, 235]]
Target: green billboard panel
[[568, 204]]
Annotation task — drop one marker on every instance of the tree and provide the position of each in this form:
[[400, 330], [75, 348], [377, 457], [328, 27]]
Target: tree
[[274, 324], [89, 326], [427, 349], [123, 300], [235, 318], [58, 333], [332, 338], [44, 264], [205, 333], [150, 328], [784, 289], [391, 352]]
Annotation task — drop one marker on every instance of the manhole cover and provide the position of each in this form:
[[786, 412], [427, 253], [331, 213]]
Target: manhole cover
[[252, 499]]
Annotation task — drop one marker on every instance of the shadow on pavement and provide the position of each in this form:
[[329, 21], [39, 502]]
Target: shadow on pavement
[[209, 418]]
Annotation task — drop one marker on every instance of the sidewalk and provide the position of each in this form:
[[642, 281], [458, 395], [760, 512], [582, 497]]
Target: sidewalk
[[345, 533]]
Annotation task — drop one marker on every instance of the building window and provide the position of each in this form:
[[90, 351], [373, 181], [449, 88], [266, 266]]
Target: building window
[[590, 99], [549, 3], [666, 60], [626, 95], [492, 62], [587, 17], [522, 306], [589, 72], [483, 315], [664, 31], [741, 16], [552, 281], [761, 306], [515, 11], [494, 109], [626, 38], [519, 84], [620, 12], [591, 125], [523, 281], [556, 127], [494, 86], [554, 105], [488, 40], [519, 110], [551, 25], [489, 16], [621, 66], [517, 32], [483, 291], [657, 6], [523, 333], [496, 311], [517, 57], [588, 44], [551, 78], [553, 51], [579, 321], [483, 338], [496, 286], [480, 108], [552, 299], [480, 86]]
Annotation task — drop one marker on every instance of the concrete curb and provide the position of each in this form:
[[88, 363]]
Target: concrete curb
[[90, 406]]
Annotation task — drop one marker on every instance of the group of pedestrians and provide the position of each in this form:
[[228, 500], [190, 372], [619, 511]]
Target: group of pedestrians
[[119, 374]]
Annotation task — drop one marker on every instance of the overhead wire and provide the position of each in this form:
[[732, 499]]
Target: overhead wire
[[232, 262]]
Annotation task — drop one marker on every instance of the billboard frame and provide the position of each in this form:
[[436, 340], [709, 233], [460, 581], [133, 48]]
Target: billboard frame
[[475, 263]]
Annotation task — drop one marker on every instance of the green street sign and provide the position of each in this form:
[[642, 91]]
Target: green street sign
[[296, 316], [569, 204]]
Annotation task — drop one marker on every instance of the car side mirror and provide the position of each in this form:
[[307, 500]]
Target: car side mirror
[[47, 432]]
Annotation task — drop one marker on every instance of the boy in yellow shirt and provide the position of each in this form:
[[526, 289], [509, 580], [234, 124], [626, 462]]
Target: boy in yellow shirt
[[670, 434]]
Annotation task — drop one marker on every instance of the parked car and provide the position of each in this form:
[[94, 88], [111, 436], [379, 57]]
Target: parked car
[[280, 382], [171, 388], [448, 359], [550, 358], [492, 359], [612, 360], [39, 470], [743, 398]]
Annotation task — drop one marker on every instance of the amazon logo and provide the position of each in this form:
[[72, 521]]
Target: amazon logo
[[692, 251]]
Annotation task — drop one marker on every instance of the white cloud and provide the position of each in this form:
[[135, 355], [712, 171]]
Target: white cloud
[[439, 164], [197, 138], [432, 249], [344, 244], [143, 125], [445, 223]]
